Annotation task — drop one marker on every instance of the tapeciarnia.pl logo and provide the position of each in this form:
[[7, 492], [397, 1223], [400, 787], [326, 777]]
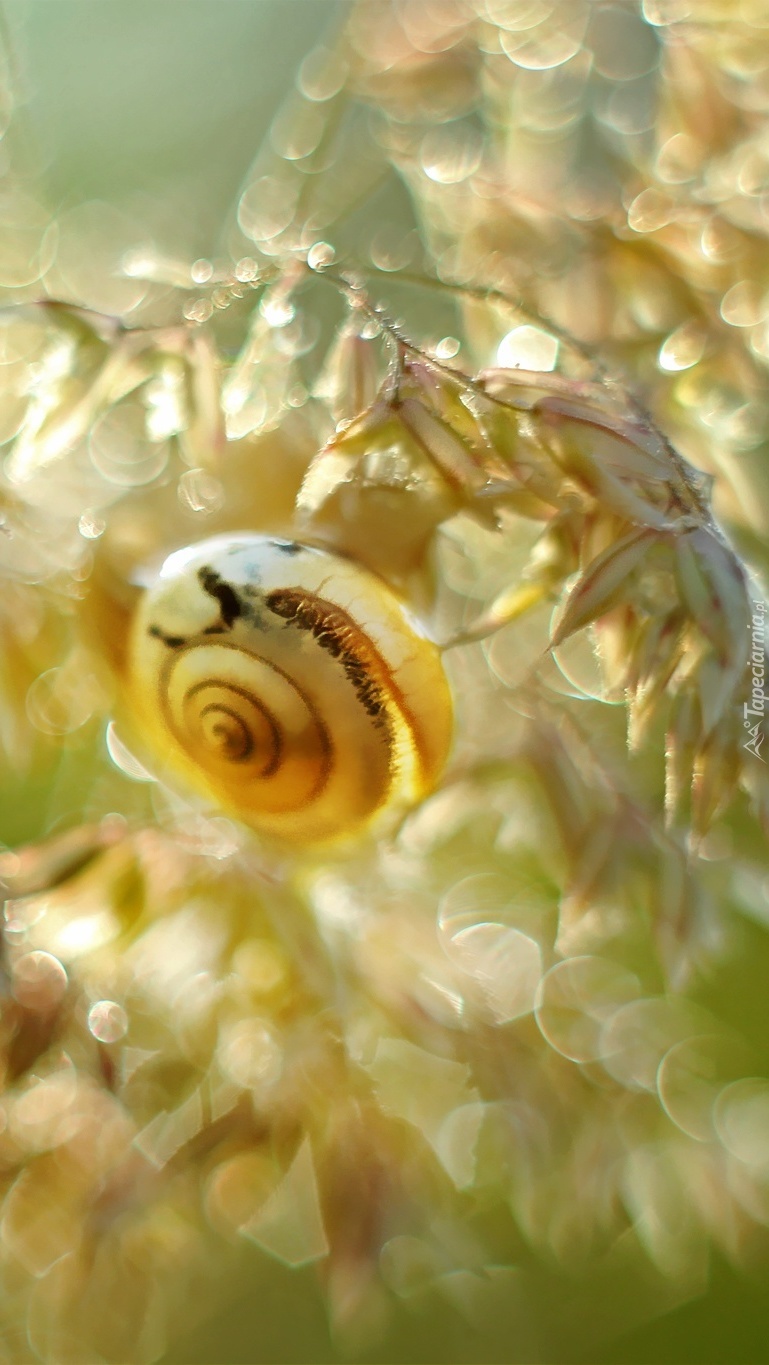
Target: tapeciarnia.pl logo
[[756, 707]]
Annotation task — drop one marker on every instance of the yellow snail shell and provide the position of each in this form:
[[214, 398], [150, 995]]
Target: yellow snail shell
[[288, 685]]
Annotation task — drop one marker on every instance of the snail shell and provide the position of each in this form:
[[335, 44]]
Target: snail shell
[[288, 685]]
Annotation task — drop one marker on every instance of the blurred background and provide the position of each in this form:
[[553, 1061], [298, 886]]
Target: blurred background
[[134, 130]]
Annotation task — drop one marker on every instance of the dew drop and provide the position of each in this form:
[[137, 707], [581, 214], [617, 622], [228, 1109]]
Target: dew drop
[[649, 211], [107, 1021], [320, 256], [277, 310], [683, 348], [528, 348], [39, 981], [450, 155], [743, 305], [201, 271]]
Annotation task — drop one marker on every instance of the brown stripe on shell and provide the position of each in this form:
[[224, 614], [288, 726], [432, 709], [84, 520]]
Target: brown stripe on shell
[[337, 633], [241, 752], [230, 606], [172, 641], [275, 731], [190, 644]]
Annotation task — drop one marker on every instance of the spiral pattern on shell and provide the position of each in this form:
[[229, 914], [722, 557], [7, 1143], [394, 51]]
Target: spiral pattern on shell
[[288, 685]]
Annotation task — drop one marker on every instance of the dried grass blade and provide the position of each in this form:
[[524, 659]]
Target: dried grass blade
[[600, 586]]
